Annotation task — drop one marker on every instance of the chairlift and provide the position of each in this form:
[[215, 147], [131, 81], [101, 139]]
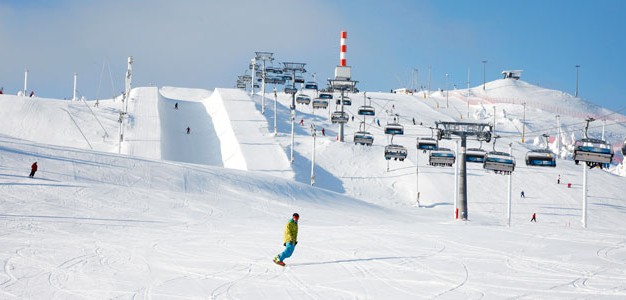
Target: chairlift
[[594, 152], [426, 144], [441, 157], [320, 103], [363, 138], [326, 96], [541, 157], [310, 85], [397, 152], [339, 117], [366, 110], [394, 128], [499, 162], [475, 155], [303, 99], [290, 90]]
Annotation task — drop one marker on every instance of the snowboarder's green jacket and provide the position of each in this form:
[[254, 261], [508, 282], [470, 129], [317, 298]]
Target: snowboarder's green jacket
[[291, 231]]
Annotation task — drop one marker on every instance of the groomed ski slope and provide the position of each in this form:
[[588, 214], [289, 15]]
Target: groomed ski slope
[[103, 225]]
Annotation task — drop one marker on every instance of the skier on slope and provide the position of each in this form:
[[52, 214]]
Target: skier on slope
[[33, 170], [188, 130], [290, 240]]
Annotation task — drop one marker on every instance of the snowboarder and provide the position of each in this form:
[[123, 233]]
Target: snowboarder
[[33, 170], [534, 218], [290, 240], [558, 179], [32, 93], [188, 130], [323, 132], [301, 122], [176, 105], [522, 195]]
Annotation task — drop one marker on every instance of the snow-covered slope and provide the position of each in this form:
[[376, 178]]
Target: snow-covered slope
[[170, 222]]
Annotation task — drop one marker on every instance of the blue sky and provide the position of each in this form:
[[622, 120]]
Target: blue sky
[[206, 44]]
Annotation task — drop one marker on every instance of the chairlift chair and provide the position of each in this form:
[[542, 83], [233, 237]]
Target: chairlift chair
[[540, 158], [303, 99], [339, 117], [241, 85], [394, 128], [326, 96], [397, 152], [475, 155], [290, 90], [363, 138], [594, 152], [441, 157], [320, 103], [426, 144], [499, 162], [310, 85], [366, 110]]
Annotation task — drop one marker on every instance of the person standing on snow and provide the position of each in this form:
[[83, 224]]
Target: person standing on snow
[[176, 105], [290, 240], [558, 179], [323, 132], [188, 130], [33, 170], [522, 195]]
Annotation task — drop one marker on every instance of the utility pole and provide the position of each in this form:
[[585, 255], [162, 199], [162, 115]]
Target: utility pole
[[456, 181], [293, 67], [524, 122], [263, 56], [25, 81], [428, 80], [275, 106], [74, 93], [468, 91], [417, 175], [484, 71], [313, 134], [577, 67], [447, 105], [558, 135], [508, 207], [584, 219]]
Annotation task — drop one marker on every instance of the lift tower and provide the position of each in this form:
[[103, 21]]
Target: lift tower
[[482, 132]]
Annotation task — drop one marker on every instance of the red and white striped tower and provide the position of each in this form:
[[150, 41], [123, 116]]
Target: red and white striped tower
[[342, 54]]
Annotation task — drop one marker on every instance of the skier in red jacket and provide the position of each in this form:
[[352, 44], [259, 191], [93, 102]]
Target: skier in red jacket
[[33, 170]]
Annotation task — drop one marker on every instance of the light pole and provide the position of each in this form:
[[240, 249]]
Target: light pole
[[293, 67], [275, 105], [524, 122], [314, 135], [447, 106], [263, 56], [577, 67], [484, 69]]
